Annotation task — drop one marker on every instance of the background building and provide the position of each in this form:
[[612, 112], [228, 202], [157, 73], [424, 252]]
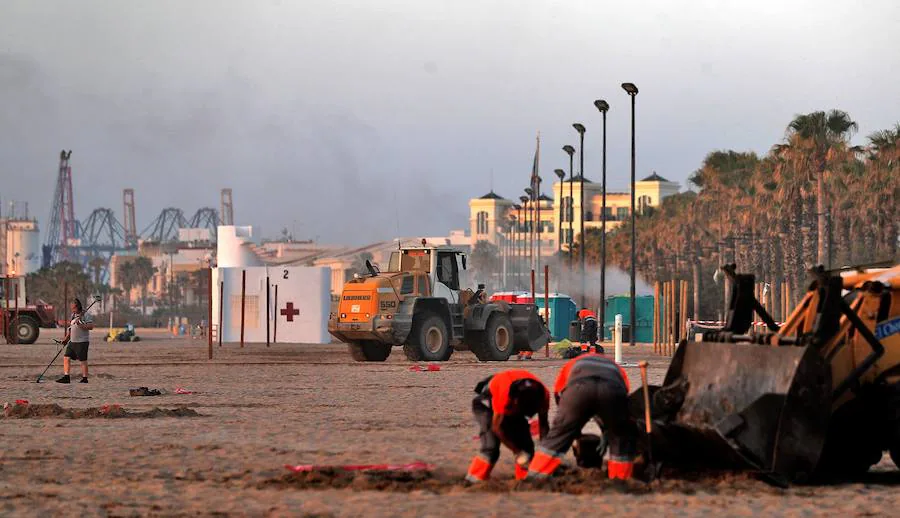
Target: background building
[[495, 219]]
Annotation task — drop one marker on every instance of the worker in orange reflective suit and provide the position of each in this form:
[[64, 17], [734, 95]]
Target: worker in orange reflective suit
[[589, 386], [589, 332], [502, 406]]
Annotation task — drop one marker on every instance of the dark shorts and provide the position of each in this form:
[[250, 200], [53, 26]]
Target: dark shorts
[[77, 351]]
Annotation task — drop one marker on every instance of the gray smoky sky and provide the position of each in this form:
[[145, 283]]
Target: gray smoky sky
[[319, 114]]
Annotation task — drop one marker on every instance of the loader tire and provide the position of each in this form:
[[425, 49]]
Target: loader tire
[[496, 343], [25, 329], [429, 340], [369, 351]]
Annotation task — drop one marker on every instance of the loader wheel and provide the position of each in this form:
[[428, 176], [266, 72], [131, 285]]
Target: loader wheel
[[25, 329], [496, 342], [429, 340], [369, 351]]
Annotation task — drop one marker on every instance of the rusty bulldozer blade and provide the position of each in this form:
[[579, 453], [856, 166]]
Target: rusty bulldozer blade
[[740, 406]]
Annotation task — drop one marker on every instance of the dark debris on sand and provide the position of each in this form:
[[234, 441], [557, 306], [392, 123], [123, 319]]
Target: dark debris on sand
[[38, 411], [573, 481]]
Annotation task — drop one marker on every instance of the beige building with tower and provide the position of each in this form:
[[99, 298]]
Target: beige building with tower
[[502, 222]]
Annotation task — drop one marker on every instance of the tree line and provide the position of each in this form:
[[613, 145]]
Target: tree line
[[813, 199]]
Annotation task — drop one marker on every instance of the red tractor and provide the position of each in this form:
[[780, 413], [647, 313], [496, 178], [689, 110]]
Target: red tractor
[[21, 321]]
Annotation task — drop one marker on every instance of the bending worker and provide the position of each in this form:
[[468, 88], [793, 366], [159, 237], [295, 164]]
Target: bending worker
[[589, 329], [589, 386], [502, 407]]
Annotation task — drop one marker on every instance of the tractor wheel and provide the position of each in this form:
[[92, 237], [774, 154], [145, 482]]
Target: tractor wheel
[[369, 351], [25, 329], [429, 340], [496, 342]]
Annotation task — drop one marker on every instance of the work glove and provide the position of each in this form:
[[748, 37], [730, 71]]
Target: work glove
[[523, 459]]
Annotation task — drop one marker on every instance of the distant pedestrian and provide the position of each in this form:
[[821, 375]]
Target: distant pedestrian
[[77, 340]]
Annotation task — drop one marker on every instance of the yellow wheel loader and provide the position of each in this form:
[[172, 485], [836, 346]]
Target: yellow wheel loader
[[421, 304], [815, 398]]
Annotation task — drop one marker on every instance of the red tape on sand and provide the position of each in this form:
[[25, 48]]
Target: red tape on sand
[[415, 466]]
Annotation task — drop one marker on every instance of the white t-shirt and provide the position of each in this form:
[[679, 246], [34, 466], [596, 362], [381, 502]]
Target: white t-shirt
[[77, 334]]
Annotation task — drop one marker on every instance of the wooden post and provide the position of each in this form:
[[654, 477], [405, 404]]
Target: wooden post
[[14, 328], [275, 330], [684, 308], [787, 299], [674, 296], [221, 309], [656, 306], [667, 308], [671, 316], [243, 302], [663, 307], [268, 312], [547, 305], [6, 310], [209, 294]]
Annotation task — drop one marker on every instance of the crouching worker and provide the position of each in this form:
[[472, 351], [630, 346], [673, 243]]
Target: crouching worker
[[589, 332], [502, 407], [589, 386]]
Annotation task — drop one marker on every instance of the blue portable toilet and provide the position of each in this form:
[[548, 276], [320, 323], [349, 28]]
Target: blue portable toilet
[[562, 311], [621, 304]]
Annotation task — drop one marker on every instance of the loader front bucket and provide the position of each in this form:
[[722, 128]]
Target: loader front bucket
[[742, 406], [529, 331]]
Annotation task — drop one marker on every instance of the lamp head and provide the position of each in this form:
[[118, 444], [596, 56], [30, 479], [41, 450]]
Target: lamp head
[[630, 88], [602, 105], [569, 149], [560, 173], [579, 127], [523, 199], [528, 191]]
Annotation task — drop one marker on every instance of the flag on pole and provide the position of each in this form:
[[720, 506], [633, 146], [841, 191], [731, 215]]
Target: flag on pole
[[536, 202], [535, 170]]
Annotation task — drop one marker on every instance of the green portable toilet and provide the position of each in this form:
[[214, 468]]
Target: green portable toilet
[[562, 311], [621, 305]]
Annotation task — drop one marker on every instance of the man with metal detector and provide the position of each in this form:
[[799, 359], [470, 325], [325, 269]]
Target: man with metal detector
[[77, 340]]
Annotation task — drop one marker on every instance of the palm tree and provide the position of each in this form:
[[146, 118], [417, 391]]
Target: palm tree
[[97, 264], [814, 142], [126, 277], [143, 272]]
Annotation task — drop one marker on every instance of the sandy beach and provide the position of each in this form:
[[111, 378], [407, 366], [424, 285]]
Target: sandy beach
[[260, 408]]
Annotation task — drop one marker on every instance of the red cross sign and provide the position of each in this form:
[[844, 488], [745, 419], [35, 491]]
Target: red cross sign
[[290, 312]]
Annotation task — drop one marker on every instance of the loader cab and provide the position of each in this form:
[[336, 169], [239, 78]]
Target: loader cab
[[445, 269]]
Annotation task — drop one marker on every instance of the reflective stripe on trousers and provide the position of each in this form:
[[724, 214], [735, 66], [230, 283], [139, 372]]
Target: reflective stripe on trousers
[[544, 463], [479, 470], [620, 470]]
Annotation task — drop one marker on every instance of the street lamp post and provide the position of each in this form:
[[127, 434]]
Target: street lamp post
[[581, 129], [632, 91], [562, 176], [603, 106], [525, 249], [570, 211], [539, 231], [530, 194], [517, 254]]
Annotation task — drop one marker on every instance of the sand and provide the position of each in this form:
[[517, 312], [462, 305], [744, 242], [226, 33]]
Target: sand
[[258, 409]]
